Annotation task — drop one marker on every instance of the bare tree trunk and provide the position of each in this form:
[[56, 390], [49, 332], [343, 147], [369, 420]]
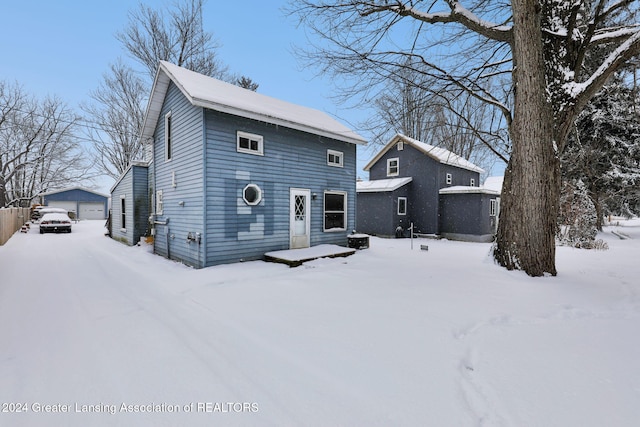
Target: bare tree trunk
[[3, 192], [530, 196]]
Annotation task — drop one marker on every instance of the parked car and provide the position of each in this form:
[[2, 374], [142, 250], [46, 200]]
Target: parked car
[[45, 210], [55, 222]]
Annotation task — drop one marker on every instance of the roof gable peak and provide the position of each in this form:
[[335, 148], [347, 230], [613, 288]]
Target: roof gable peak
[[208, 92], [441, 155]]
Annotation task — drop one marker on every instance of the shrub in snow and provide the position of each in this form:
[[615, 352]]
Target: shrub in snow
[[577, 218]]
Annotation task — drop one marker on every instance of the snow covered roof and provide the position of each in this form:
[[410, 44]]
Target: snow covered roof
[[494, 183], [214, 94], [380, 185], [463, 189], [440, 154]]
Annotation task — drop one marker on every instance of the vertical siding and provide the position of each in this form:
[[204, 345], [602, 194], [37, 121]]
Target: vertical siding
[[466, 216], [429, 176], [461, 213], [184, 202], [140, 197], [377, 212], [423, 197], [292, 159]]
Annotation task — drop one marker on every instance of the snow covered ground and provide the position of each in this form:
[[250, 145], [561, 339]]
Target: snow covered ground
[[93, 332]]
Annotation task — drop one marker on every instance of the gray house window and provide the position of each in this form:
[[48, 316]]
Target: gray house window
[[402, 205], [393, 167], [250, 143], [168, 143], [335, 211], [493, 209], [473, 182], [449, 179]]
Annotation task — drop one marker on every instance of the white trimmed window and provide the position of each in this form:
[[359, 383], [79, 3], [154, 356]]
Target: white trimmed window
[[393, 167], [159, 202], [402, 205], [472, 182], [168, 141], [123, 213], [449, 179], [493, 209], [252, 194], [335, 211], [250, 143], [335, 158]]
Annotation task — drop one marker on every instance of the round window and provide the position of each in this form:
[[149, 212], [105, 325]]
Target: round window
[[252, 194]]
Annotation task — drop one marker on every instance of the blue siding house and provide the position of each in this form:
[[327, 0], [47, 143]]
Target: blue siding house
[[437, 191], [236, 174]]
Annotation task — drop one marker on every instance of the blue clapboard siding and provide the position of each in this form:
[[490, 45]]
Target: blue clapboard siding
[[209, 180], [292, 159], [123, 189], [184, 201]]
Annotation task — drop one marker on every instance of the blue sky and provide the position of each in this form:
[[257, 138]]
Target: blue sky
[[63, 48]]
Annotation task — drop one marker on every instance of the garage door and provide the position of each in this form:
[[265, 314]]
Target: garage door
[[69, 206], [92, 210]]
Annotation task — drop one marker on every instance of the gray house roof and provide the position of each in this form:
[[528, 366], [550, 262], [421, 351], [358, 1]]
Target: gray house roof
[[439, 154], [214, 94]]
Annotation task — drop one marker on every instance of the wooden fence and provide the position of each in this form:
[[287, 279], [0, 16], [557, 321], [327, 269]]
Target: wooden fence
[[11, 219]]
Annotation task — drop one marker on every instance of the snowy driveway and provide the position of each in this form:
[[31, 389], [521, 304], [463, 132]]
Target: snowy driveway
[[93, 332]]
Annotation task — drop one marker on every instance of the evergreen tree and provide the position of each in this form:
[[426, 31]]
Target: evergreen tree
[[604, 151], [577, 217]]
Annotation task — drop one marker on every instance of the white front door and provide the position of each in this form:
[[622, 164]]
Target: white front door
[[299, 218]]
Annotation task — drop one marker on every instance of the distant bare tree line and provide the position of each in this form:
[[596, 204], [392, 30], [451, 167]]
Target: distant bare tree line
[[38, 147], [174, 34]]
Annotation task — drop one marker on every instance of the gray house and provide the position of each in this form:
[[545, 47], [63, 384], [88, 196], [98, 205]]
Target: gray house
[[431, 187], [236, 174], [81, 202]]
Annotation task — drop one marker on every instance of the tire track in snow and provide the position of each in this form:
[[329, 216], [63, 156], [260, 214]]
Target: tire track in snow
[[480, 400]]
